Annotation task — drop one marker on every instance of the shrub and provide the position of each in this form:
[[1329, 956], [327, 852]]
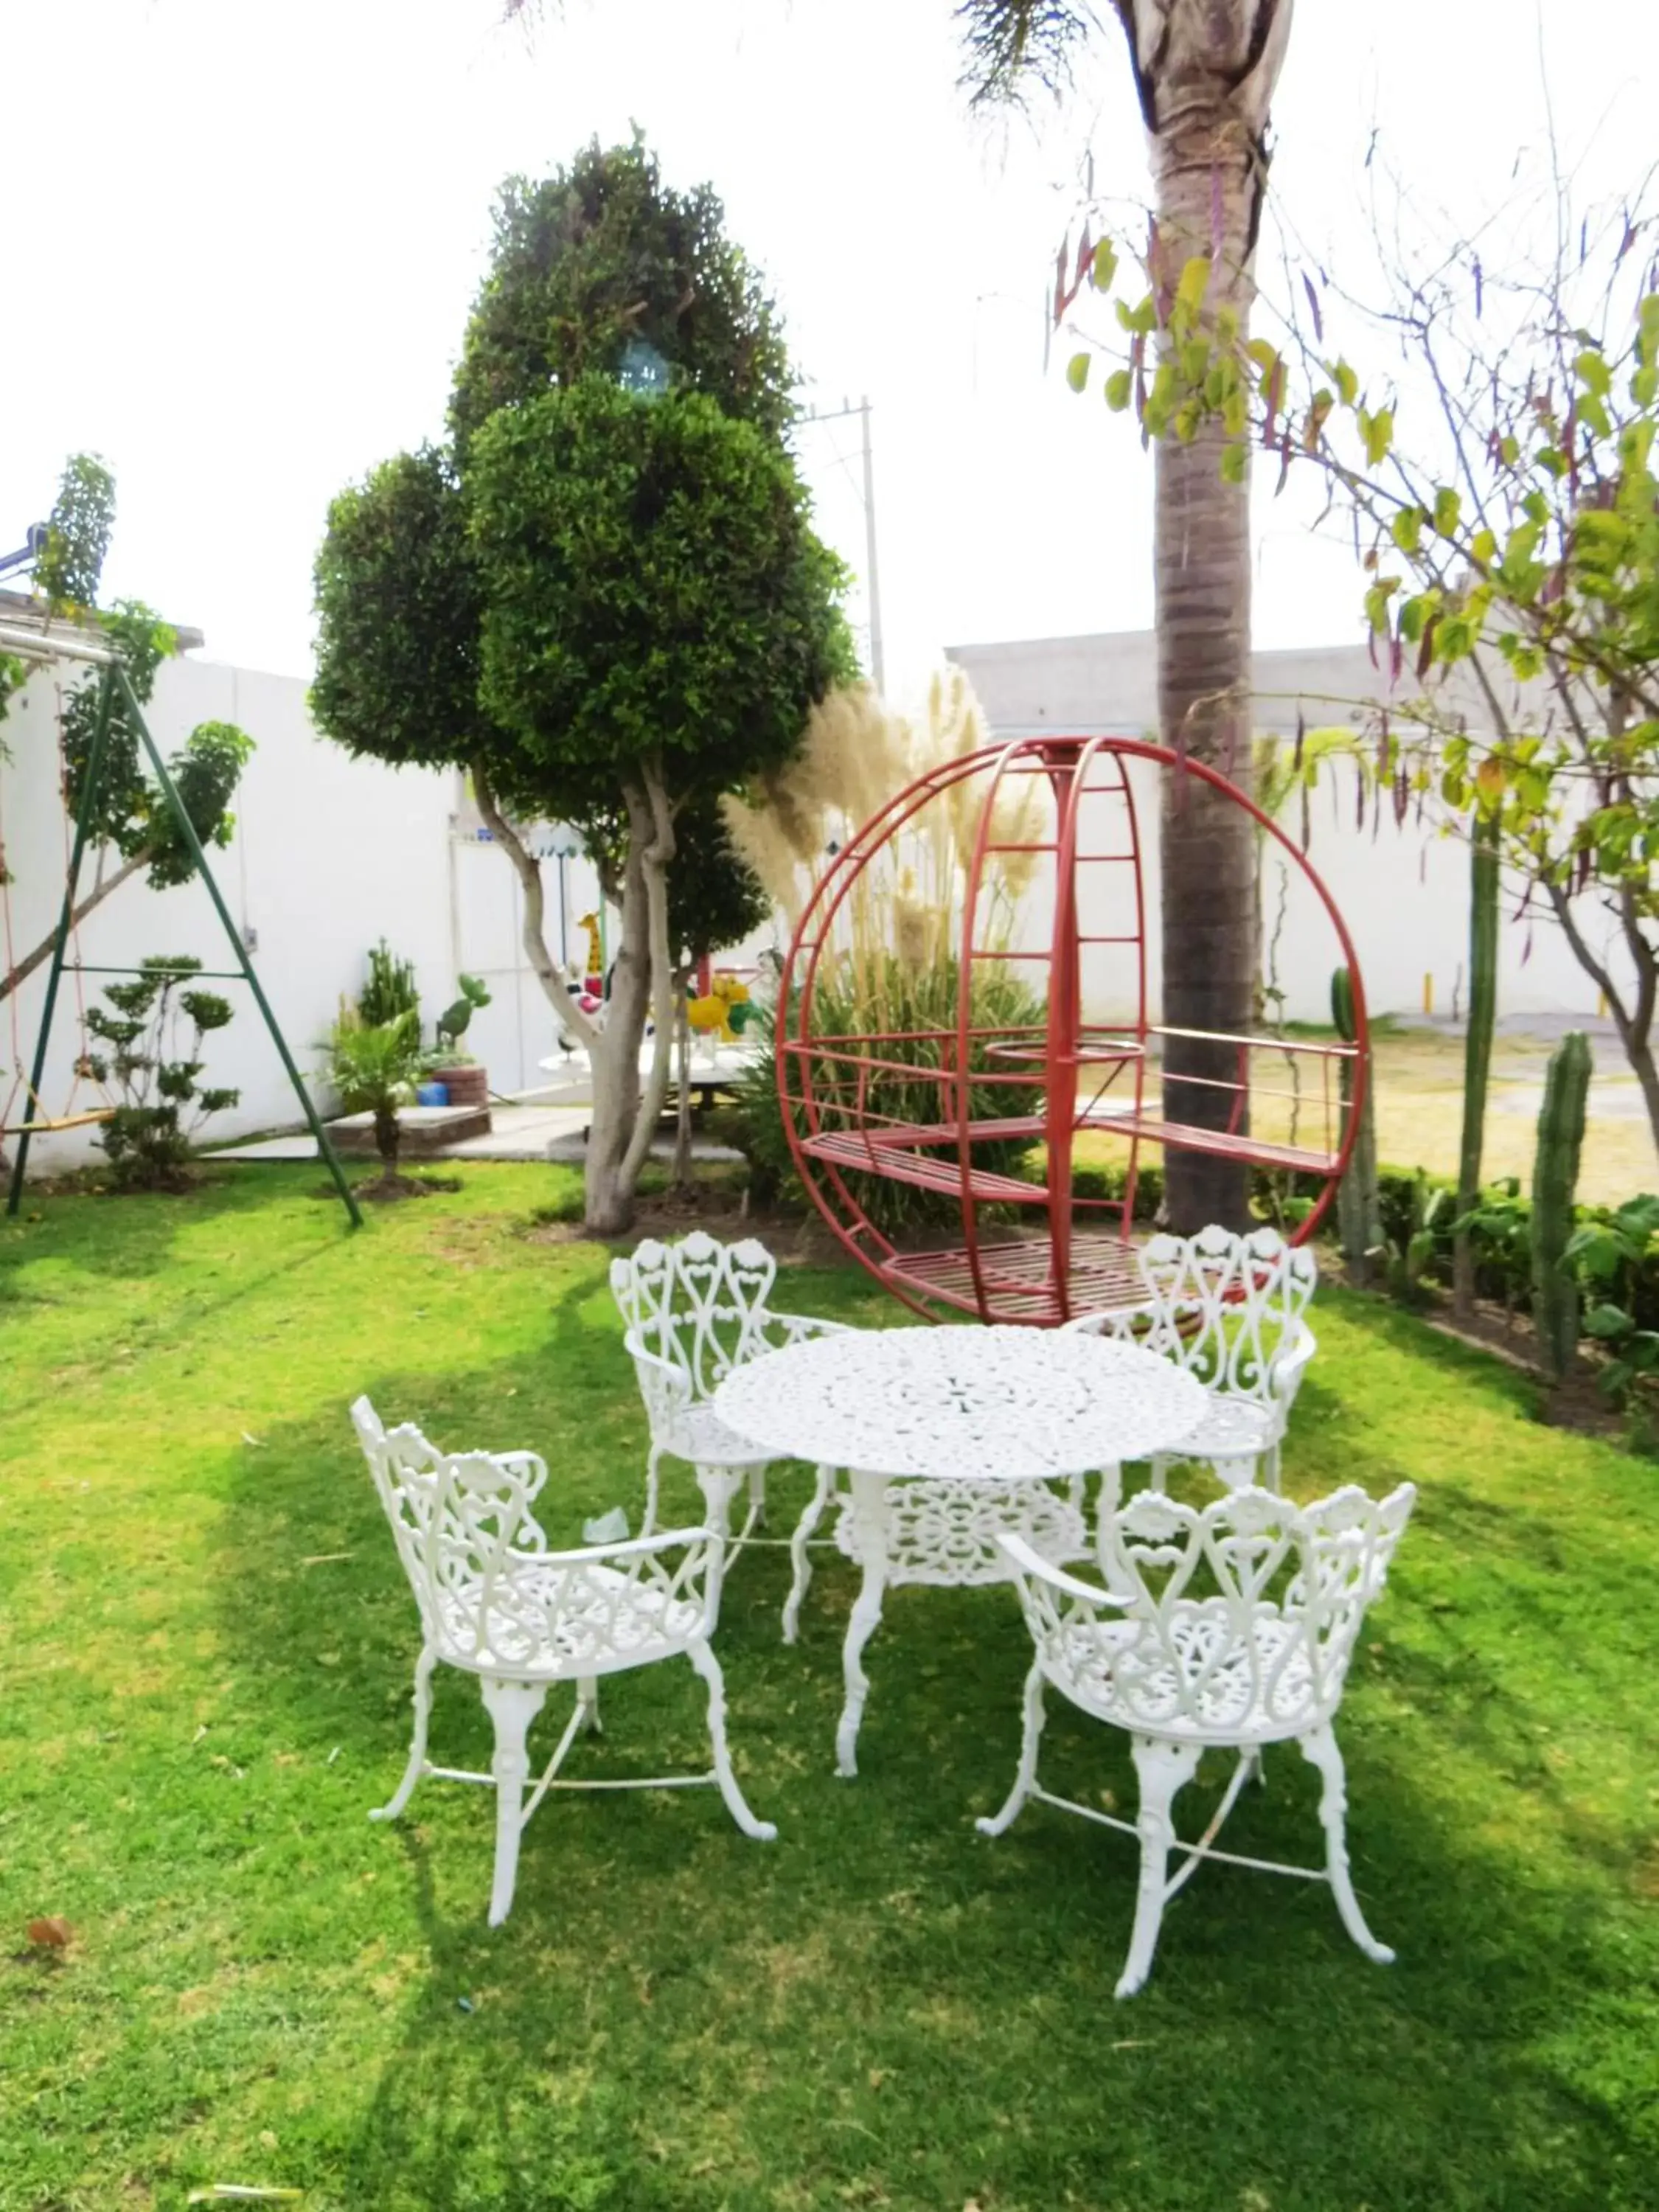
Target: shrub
[[155, 1035]]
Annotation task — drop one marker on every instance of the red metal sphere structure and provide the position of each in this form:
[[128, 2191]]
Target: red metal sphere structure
[[1032, 1027]]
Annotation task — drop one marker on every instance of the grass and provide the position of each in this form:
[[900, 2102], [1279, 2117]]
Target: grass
[[1418, 1074], [201, 1699]]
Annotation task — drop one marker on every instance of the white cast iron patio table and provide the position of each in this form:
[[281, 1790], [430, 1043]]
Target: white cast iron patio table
[[953, 1404]]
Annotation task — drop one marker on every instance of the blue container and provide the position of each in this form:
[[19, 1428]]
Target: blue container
[[432, 1094]]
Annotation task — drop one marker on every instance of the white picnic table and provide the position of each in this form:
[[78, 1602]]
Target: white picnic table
[[952, 1406]]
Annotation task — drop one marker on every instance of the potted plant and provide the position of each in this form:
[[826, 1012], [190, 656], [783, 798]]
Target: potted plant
[[449, 1062]]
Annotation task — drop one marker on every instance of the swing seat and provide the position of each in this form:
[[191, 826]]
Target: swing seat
[[63, 1122]]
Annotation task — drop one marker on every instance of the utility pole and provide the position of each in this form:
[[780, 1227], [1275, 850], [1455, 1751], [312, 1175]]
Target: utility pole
[[873, 585], [876, 669]]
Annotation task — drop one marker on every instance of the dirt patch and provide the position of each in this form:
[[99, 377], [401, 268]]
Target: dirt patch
[[383, 1190], [793, 1239]]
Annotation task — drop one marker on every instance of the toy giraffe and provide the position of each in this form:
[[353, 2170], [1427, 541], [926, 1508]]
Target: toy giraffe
[[595, 969]]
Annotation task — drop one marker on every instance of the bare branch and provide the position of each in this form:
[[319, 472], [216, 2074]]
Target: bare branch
[[552, 978]]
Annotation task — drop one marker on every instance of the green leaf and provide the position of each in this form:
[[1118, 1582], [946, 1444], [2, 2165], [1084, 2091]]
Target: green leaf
[[1377, 432], [1119, 385], [1592, 372], [1076, 371], [1235, 462], [1195, 283], [1406, 528], [1447, 511], [1605, 1322], [1347, 384], [1104, 265]]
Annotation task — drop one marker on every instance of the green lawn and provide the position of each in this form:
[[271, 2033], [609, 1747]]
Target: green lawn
[[199, 1704]]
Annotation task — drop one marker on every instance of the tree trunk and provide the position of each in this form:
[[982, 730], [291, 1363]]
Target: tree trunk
[[683, 1116], [1205, 71], [615, 1054], [388, 1136]]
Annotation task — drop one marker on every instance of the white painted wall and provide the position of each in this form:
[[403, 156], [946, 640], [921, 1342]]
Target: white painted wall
[[329, 855], [1402, 892]]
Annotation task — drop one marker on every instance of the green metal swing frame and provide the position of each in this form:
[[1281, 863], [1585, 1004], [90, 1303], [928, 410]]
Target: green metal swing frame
[[114, 681]]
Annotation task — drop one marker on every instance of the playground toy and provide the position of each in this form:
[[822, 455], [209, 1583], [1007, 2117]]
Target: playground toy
[[1042, 911], [593, 974], [81, 646]]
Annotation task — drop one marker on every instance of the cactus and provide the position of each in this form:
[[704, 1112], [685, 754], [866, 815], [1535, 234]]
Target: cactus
[[390, 990], [1358, 1205], [1554, 1178], [451, 1024], [1477, 1045]]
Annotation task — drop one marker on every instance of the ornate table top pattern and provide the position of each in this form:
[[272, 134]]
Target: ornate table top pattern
[[983, 1404]]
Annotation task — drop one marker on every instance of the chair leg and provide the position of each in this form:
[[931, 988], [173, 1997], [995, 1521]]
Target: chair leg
[[737, 1805], [719, 1485], [757, 1496], [1025, 1775], [1320, 1749], [1269, 1470], [512, 1707], [1239, 1474], [822, 1489], [405, 1790], [653, 1468], [587, 1701], [1161, 1770]]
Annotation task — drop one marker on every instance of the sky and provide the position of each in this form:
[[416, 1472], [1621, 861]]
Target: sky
[[244, 239]]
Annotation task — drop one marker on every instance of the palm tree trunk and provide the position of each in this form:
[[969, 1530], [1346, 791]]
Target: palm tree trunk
[[1205, 71]]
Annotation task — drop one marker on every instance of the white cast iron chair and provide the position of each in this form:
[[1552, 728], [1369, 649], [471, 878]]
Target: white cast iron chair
[[694, 1310], [1234, 1628], [497, 1603], [1231, 1310]]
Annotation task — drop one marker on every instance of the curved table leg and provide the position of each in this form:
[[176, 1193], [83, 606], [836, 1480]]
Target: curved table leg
[[869, 1522]]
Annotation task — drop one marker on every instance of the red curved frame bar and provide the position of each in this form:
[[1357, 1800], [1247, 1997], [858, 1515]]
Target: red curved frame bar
[[1070, 765]]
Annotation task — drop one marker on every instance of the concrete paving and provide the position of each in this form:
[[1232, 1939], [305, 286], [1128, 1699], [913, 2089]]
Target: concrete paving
[[521, 1131]]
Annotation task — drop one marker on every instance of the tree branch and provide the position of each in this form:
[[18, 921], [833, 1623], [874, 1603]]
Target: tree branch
[[549, 973], [100, 892]]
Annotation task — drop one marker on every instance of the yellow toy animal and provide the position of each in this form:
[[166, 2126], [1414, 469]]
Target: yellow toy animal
[[595, 968], [713, 1014]]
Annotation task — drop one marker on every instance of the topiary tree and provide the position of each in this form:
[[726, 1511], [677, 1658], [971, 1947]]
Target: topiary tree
[[658, 620], [606, 604], [150, 1038], [600, 258]]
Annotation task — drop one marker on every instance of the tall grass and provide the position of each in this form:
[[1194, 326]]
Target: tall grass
[[893, 962]]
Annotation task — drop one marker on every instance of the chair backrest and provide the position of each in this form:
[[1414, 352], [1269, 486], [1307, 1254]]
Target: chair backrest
[[698, 1304], [1229, 1622], [459, 1520], [1228, 1308]]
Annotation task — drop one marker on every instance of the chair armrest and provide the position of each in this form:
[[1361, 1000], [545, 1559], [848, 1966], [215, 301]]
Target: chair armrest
[[1285, 1375], [694, 1578], [666, 1389], [1021, 1556]]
